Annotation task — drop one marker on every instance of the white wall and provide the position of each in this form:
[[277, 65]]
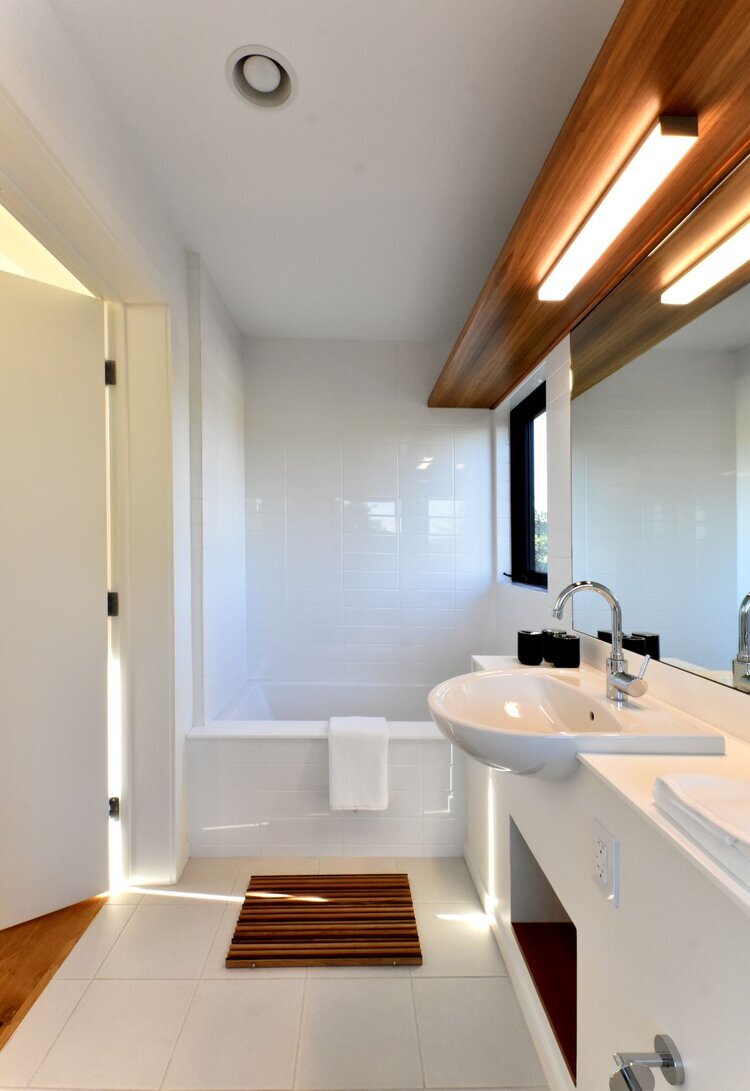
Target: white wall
[[742, 421], [655, 501], [153, 791], [518, 607], [218, 494], [369, 535]]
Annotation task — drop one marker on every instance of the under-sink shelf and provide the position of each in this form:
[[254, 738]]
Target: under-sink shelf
[[549, 950], [548, 941]]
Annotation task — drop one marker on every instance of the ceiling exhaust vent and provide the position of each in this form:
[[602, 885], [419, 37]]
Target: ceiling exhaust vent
[[261, 76]]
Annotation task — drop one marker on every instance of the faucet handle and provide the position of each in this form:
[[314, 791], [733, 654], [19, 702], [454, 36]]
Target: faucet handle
[[632, 685], [644, 666]]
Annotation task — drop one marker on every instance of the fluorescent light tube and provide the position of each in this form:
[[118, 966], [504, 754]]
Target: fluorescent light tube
[[657, 155], [728, 256]]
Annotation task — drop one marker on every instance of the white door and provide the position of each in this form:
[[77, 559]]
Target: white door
[[53, 624]]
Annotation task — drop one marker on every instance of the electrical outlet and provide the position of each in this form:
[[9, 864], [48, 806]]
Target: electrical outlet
[[605, 861]]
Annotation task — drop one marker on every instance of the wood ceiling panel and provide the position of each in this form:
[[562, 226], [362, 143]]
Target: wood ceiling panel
[[632, 319], [668, 57]]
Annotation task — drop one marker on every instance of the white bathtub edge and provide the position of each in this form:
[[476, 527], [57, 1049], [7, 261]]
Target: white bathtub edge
[[424, 730]]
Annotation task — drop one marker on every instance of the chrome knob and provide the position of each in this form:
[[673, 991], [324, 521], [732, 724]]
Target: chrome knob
[[634, 1077], [633, 1072]]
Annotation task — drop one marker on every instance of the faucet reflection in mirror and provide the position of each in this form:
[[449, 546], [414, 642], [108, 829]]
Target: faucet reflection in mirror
[[620, 684], [741, 665]]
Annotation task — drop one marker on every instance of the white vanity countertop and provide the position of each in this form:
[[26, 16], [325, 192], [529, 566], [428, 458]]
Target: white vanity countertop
[[632, 777]]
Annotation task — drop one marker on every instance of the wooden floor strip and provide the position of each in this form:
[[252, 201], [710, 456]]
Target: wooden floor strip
[[30, 953], [326, 920]]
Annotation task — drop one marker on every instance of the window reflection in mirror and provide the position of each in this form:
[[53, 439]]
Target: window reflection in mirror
[[661, 490], [540, 492]]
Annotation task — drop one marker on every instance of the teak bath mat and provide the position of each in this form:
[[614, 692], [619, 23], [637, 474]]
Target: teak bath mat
[[326, 920]]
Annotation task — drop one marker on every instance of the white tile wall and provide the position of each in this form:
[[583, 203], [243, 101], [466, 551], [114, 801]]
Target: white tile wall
[[655, 500], [251, 797], [218, 492], [368, 516], [742, 422]]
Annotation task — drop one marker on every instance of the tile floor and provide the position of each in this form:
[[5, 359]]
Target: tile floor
[[145, 1001]]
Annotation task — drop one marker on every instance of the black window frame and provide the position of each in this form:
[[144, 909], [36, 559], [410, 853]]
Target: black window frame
[[522, 549]]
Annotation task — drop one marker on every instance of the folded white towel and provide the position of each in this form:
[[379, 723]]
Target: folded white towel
[[358, 763], [715, 811]]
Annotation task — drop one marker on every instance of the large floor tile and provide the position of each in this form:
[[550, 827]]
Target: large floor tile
[[121, 1035], [361, 865], [473, 1034], [96, 942], [238, 1034], [272, 865], [164, 941], [205, 877], [210, 868], [24, 1052], [438, 879], [456, 941], [358, 1034], [215, 966], [126, 896], [341, 973]]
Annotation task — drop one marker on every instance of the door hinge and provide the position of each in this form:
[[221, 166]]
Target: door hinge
[[110, 373], [114, 808], [113, 604]]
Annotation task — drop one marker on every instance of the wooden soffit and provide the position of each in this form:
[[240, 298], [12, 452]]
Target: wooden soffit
[[632, 319], [660, 57]]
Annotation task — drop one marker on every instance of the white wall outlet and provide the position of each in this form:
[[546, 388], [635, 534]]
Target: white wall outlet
[[606, 863]]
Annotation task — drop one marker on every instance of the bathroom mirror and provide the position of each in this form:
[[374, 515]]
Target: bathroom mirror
[[661, 490]]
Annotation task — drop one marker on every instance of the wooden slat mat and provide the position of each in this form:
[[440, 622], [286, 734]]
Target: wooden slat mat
[[326, 920]]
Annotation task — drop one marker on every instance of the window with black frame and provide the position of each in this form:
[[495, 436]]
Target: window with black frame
[[528, 489]]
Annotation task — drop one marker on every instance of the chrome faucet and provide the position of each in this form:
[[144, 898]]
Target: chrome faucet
[[620, 684], [741, 665]]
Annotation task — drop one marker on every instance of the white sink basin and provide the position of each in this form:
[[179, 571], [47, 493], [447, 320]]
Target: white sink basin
[[536, 721]]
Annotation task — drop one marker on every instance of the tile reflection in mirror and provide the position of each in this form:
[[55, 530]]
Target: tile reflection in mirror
[[661, 490]]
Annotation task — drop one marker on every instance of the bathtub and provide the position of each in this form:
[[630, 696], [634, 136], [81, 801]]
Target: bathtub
[[302, 709], [258, 776]]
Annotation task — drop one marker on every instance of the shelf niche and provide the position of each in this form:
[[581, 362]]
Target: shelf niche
[[547, 940]]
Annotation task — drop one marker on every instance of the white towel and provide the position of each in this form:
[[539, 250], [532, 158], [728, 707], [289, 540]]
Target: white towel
[[358, 763], [715, 811]]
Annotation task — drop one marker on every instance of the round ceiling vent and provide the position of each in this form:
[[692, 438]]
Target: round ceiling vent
[[261, 76]]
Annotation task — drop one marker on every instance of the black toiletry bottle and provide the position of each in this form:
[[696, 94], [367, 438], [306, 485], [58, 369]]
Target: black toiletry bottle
[[530, 647], [566, 650], [548, 635], [652, 644]]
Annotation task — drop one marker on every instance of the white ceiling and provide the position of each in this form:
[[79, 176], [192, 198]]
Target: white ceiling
[[374, 204]]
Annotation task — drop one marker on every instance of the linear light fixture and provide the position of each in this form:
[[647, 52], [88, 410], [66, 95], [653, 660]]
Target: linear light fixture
[[715, 266], [657, 155]]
